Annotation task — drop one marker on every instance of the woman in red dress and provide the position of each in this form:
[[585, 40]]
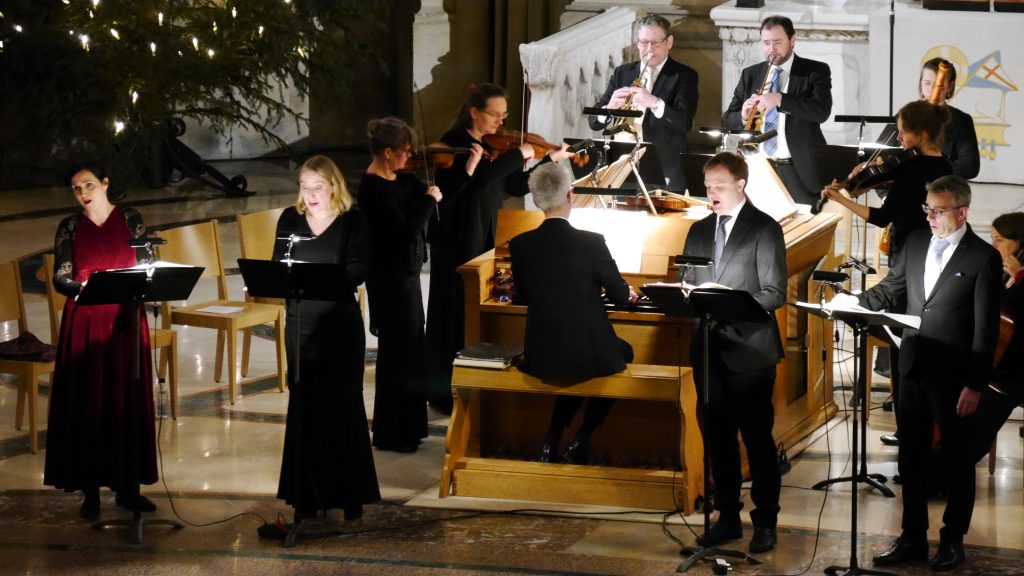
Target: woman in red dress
[[90, 425]]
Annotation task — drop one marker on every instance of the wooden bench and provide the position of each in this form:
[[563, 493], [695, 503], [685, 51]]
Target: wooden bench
[[500, 417]]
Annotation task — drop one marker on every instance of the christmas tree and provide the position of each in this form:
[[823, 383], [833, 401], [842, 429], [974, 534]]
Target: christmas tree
[[102, 78]]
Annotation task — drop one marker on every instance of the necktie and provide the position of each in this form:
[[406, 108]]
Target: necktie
[[720, 240], [934, 266], [771, 117]]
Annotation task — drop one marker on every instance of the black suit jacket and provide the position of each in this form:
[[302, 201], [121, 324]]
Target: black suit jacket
[[959, 320], [559, 272], [754, 260], [677, 86], [807, 102]]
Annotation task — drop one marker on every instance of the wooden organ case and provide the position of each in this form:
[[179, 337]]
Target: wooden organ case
[[648, 453]]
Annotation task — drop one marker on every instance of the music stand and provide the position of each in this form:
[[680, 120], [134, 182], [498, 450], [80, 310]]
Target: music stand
[[859, 321], [134, 286], [295, 281]]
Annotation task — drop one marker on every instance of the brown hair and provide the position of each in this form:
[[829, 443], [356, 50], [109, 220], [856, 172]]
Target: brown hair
[[1010, 226], [734, 163], [922, 116], [477, 98], [341, 200], [390, 132]]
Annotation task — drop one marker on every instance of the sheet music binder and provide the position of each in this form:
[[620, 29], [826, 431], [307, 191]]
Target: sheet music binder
[[144, 284]]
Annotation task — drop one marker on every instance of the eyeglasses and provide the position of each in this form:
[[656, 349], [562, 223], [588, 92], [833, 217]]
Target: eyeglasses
[[646, 43], [936, 212], [496, 115]]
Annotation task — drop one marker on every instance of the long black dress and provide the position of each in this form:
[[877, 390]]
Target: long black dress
[[327, 462], [396, 216], [90, 421], [464, 230]]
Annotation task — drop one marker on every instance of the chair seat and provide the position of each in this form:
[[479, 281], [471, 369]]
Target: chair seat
[[251, 314]]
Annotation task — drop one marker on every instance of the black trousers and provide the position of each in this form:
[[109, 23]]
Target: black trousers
[[597, 408], [922, 405], [741, 402]]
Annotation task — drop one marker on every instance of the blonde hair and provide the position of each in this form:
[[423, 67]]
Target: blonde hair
[[341, 200]]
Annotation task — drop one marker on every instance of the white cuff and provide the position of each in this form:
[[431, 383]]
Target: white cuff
[[659, 108]]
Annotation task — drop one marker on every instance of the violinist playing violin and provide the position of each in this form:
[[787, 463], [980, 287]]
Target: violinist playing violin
[[665, 90], [920, 128], [397, 207], [465, 226]]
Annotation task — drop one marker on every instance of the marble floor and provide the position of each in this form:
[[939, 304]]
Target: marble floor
[[220, 466]]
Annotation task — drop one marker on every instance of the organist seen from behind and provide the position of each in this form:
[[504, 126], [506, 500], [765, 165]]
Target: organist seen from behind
[[560, 272]]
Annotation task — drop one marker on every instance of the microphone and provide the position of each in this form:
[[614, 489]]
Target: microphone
[[831, 277], [860, 265], [146, 241], [693, 260], [762, 137]]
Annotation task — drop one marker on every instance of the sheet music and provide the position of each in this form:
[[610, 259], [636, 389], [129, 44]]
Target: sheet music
[[221, 309], [625, 233], [906, 319]]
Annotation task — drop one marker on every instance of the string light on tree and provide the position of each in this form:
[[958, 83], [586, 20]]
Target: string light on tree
[[209, 52], [160, 18], [234, 13], [152, 48], [260, 31], [195, 43], [135, 97], [118, 126], [115, 34], [84, 39]]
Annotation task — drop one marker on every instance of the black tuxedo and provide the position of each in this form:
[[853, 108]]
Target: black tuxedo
[[742, 358], [952, 349], [806, 102], [559, 272], [676, 84]]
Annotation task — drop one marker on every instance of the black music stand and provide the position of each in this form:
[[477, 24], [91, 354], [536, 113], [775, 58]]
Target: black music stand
[[859, 321], [133, 286], [295, 281], [721, 305]]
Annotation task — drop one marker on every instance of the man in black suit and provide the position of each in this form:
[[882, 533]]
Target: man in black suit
[[798, 98], [559, 272], [749, 254], [667, 95], [951, 279]]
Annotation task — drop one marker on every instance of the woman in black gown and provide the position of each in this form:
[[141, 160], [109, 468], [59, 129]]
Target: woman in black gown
[[397, 208], [466, 225], [327, 462], [91, 422]]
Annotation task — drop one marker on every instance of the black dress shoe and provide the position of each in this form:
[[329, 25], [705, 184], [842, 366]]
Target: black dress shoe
[[903, 550], [577, 452], [764, 539], [90, 507], [949, 556], [549, 452], [145, 504], [721, 531], [890, 440]]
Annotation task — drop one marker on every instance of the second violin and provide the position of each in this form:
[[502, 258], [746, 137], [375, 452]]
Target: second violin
[[504, 140]]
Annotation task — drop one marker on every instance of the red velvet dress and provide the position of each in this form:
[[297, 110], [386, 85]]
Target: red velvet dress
[[90, 423]]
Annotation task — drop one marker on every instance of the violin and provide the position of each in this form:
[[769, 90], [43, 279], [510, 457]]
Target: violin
[[880, 171], [663, 200], [432, 157], [505, 140]]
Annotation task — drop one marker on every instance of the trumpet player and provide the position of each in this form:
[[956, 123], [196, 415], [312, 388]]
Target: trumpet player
[[664, 90], [792, 95]]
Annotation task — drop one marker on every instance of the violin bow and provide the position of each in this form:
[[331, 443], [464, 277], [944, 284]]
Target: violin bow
[[423, 149]]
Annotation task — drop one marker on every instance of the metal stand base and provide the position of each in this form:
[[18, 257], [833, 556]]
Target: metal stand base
[[697, 553], [135, 525]]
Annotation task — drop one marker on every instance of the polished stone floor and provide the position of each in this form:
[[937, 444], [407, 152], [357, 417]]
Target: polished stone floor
[[220, 465]]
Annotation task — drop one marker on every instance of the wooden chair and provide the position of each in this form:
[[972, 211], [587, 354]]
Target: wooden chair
[[159, 338], [12, 307], [199, 245], [256, 234]]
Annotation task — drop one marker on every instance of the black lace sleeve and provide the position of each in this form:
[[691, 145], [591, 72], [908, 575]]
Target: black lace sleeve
[[63, 249], [133, 219]]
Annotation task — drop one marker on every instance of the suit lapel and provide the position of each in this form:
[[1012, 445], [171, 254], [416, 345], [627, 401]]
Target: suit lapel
[[666, 80]]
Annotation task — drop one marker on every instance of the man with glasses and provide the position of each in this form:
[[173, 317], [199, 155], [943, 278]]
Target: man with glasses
[[952, 281], [793, 97], [664, 90]]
